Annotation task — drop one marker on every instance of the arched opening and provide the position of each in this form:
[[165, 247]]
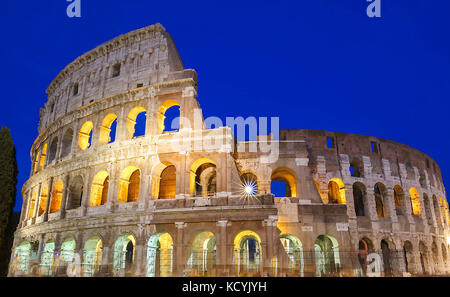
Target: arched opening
[[169, 116], [43, 200], [129, 182], [67, 142], [294, 249], [165, 186], [359, 191], [160, 255], [399, 200], [327, 257], [99, 189], [365, 247], [387, 258], [203, 178], [415, 201], [92, 256], [56, 199], [437, 212], [53, 149], [85, 135], [108, 129], [32, 204], [336, 191], [43, 155], [423, 257], [47, 258], [249, 184], [426, 202], [68, 252], [380, 193], [124, 251], [443, 212], [356, 168], [75, 193], [409, 258], [36, 160], [247, 253], [435, 254], [287, 176], [136, 121], [202, 260], [22, 255]]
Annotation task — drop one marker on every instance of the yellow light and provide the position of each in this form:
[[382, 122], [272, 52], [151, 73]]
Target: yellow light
[[249, 190], [448, 239]]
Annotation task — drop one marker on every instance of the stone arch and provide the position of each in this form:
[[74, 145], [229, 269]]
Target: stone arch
[[75, 192], [92, 255], [105, 129], [160, 255], [415, 201], [336, 191], [202, 180], [437, 212], [56, 198], [356, 168], [124, 254], [365, 247], [33, 204], [247, 253], [423, 257], [42, 157], [327, 258], [132, 120], [53, 149], [381, 203], [66, 145], [85, 135], [435, 254], [287, 176], [164, 185], [428, 215], [47, 258], [399, 200], [43, 200], [408, 256], [202, 257], [444, 253], [162, 113], [387, 252], [129, 182], [68, 248], [249, 182], [294, 249], [99, 188], [359, 198]]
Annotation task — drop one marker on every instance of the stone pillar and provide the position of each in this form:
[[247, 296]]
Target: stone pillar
[[371, 207], [179, 249], [350, 201], [37, 203], [391, 205], [86, 193], [221, 246]]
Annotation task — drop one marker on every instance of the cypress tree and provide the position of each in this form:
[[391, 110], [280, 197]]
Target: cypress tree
[[8, 182]]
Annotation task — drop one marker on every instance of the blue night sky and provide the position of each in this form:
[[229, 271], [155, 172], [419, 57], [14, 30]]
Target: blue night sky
[[319, 64]]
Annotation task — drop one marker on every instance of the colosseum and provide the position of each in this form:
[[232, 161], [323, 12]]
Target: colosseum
[[122, 201]]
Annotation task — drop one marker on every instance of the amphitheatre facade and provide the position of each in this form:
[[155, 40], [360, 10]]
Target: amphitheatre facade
[[136, 205]]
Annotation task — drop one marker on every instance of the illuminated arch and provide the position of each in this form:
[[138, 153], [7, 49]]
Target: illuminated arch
[[22, 255], [160, 255], [99, 188], [287, 176], [43, 155], [247, 252], [43, 200], [56, 198], [132, 120], [68, 250], [92, 255], [36, 160], [47, 258], [162, 111], [336, 191], [129, 182], [85, 135], [415, 201], [124, 253], [203, 253], [327, 257], [381, 204], [105, 128], [164, 182], [32, 204], [202, 177], [294, 249]]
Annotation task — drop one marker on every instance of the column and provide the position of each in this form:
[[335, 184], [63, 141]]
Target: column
[[221, 247], [62, 212], [179, 248], [49, 198]]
